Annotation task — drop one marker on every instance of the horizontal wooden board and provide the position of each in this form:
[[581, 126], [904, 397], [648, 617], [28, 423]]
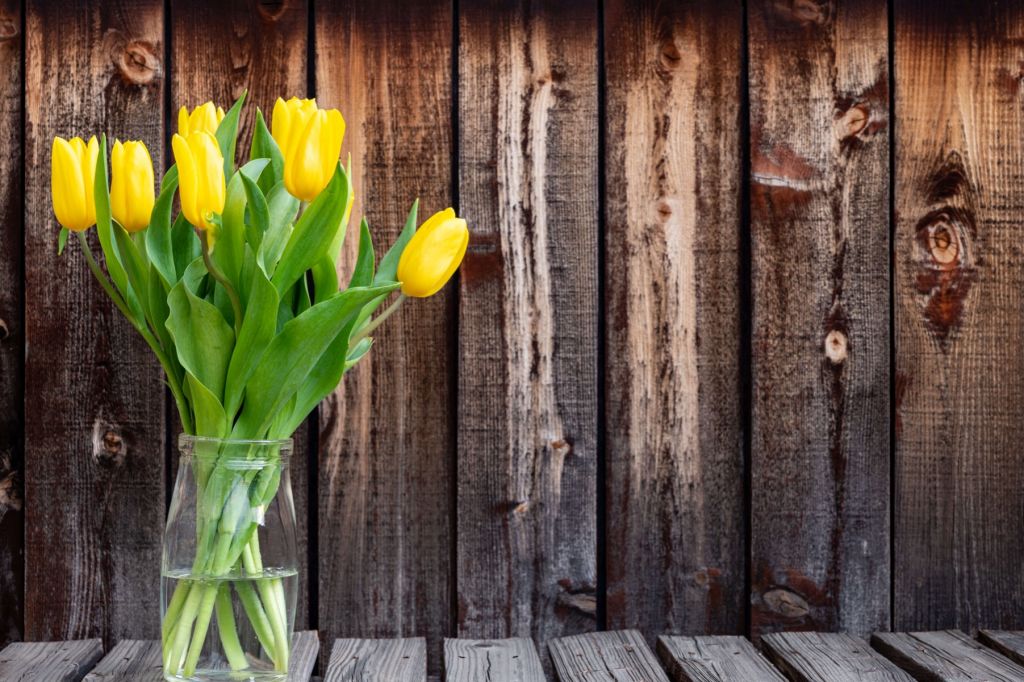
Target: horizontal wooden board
[[49, 661], [715, 659], [829, 657], [492, 660], [613, 656], [946, 656], [1009, 643], [378, 660]]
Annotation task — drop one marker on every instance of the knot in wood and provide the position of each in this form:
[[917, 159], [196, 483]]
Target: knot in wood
[[943, 244], [670, 56], [854, 120], [272, 10], [802, 12], [4, 331], [786, 603], [138, 62], [8, 28], [108, 446], [835, 347]]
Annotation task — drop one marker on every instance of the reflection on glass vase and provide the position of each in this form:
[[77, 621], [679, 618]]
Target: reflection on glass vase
[[229, 576]]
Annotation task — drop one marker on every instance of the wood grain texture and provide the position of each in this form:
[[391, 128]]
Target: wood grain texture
[[946, 656], [675, 512], [527, 461], [12, 333], [611, 656], [132, 660], [714, 659], [387, 435], [959, 292], [829, 657], [378, 660], [94, 430], [492, 660], [218, 51], [1009, 643], [819, 211], [49, 661], [305, 650]]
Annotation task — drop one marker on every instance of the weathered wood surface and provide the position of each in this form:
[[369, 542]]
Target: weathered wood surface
[[675, 463], [219, 51], [141, 661], [610, 656], [49, 661], [946, 656], [714, 659], [528, 329], [492, 660], [378, 660], [387, 435], [958, 292], [12, 328], [819, 210], [1009, 643], [94, 399], [829, 657]]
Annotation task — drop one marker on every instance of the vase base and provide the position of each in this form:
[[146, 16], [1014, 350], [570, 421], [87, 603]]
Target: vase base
[[229, 676]]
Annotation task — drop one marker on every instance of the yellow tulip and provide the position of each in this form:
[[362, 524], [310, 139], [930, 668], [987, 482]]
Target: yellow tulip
[[310, 141], [73, 181], [131, 185], [204, 117], [201, 184], [433, 254]]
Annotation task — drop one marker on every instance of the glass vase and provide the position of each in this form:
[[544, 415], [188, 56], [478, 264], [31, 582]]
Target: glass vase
[[229, 576]]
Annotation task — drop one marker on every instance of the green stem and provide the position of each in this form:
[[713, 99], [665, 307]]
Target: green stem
[[203, 616], [257, 616], [179, 396], [365, 331], [181, 591], [174, 655], [275, 613], [236, 304], [228, 631]]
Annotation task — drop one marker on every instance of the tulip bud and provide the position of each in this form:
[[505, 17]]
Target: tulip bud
[[204, 117], [433, 254], [201, 184], [131, 185], [310, 141], [73, 181]]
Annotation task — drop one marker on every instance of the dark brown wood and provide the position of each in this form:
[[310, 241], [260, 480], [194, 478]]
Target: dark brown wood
[[140, 660], [94, 399], [676, 518], [527, 413], [1009, 643], [959, 292], [492, 660], [218, 51], [819, 212], [387, 435], [12, 332], [49, 661], [829, 657], [612, 656], [714, 659], [378, 660], [946, 656]]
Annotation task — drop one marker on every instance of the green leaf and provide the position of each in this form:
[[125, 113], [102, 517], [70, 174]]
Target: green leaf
[[135, 266], [230, 247], [294, 353], [211, 420], [203, 339], [356, 354], [282, 207], [362, 274], [158, 311], [388, 270], [227, 135], [258, 328], [194, 275], [170, 176], [314, 232], [158, 234], [62, 240], [264, 146], [259, 213], [184, 245], [105, 231]]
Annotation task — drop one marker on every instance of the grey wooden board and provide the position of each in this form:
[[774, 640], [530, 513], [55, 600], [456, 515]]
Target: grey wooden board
[[378, 660], [829, 657], [49, 661], [135, 660], [1009, 643], [615, 656], [492, 660], [715, 659], [946, 656]]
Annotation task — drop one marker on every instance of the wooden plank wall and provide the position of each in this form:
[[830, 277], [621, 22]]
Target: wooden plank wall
[[733, 349]]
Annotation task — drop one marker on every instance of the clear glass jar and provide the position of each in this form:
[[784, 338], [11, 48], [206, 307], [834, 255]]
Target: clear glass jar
[[229, 577]]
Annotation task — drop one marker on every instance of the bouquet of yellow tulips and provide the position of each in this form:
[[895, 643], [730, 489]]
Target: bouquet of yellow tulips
[[239, 298]]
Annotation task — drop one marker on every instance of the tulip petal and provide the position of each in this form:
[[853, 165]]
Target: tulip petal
[[183, 121], [67, 186], [188, 180], [433, 254]]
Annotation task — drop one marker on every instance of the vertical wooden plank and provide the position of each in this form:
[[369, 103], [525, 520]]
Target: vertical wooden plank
[[94, 431], [676, 518], [387, 435], [12, 334], [528, 185], [219, 50], [959, 533], [819, 211]]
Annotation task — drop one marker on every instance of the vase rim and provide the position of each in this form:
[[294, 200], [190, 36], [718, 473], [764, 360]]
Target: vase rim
[[187, 439]]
